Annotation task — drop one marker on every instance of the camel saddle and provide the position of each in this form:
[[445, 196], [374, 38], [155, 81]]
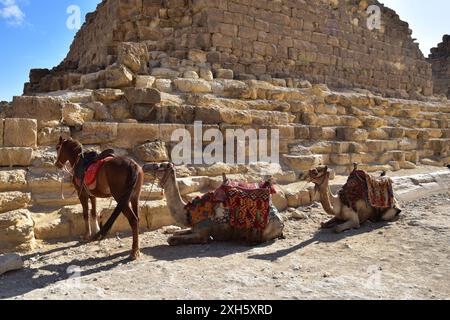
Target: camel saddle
[[89, 164], [247, 205], [377, 192]]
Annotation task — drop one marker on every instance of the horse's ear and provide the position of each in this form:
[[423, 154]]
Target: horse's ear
[[326, 168], [60, 139]]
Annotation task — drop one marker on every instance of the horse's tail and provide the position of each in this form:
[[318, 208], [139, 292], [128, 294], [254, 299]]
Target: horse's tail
[[121, 204]]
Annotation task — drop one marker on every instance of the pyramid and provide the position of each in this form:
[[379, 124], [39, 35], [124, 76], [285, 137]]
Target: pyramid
[[327, 41], [440, 61]]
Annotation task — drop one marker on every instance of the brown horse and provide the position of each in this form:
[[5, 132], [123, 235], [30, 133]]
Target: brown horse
[[120, 178]]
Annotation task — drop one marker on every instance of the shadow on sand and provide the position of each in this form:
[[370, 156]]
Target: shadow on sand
[[322, 236], [21, 282]]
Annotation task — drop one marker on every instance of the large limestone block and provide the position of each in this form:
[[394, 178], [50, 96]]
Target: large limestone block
[[20, 133], [130, 135], [134, 56], [75, 115], [152, 152], [164, 85], [118, 76], [79, 96], [46, 110], [303, 162], [193, 85], [92, 80], [101, 112], [10, 262], [10, 157], [16, 230], [165, 73], [120, 110], [279, 199], [13, 180], [108, 96], [157, 214], [143, 95], [144, 81], [50, 136], [197, 56], [10, 201], [97, 133]]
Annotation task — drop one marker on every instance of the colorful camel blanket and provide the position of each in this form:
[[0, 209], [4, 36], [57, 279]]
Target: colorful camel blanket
[[201, 209], [247, 206], [377, 192]]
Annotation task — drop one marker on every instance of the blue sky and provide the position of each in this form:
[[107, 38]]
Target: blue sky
[[33, 33]]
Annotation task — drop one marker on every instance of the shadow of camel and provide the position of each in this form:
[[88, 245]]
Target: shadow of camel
[[211, 250], [322, 236]]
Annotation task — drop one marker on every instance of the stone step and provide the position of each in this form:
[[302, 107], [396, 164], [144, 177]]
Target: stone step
[[13, 180], [16, 156], [14, 200], [302, 162]]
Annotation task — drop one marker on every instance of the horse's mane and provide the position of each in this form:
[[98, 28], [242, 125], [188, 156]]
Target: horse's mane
[[74, 145]]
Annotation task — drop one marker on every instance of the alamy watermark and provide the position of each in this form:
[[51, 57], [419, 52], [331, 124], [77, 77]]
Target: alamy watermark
[[73, 21], [233, 146], [373, 17]]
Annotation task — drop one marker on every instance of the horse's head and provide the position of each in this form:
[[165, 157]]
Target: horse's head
[[160, 171], [67, 150], [318, 175]]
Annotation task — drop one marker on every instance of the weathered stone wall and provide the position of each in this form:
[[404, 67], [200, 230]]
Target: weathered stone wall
[[440, 61], [320, 41]]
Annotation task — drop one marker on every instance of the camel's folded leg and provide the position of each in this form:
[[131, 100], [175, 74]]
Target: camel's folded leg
[[330, 224], [193, 238], [183, 232], [348, 225]]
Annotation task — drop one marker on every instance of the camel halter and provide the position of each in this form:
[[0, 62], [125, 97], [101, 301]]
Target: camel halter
[[165, 177]]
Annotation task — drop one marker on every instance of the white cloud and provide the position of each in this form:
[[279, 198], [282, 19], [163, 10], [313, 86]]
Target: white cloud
[[11, 12]]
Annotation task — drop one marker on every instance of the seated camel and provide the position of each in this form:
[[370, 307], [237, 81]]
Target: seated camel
[[362, 198], [208, 217]]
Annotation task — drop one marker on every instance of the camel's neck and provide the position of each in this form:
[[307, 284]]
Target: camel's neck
[[327, 199], [174, 201]]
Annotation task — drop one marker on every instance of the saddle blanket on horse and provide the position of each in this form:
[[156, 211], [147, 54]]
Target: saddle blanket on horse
[[90, 177], [247, 206], [377, 192]]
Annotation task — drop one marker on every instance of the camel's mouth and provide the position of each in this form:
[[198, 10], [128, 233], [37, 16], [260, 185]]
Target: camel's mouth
[[157, 167]]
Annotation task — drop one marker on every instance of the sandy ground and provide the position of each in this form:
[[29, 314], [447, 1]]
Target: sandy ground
[[407, 259]]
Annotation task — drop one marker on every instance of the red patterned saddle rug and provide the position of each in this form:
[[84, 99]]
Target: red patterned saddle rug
[[201, 209], [377, 192], [90, 177], [247, 205]]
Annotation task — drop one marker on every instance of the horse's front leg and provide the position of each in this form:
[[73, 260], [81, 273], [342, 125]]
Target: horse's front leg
[[84, 199], [95, 217]]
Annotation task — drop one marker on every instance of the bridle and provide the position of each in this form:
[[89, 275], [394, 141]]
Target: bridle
[[323, 176], [166, 176]]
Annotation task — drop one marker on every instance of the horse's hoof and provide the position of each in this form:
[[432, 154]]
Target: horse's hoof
[[86, 239], [135, 255]]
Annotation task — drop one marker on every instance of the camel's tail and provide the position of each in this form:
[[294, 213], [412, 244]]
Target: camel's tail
[[122, 203]]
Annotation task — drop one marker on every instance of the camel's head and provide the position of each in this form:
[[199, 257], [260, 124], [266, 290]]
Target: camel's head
[[159, 171], [318, 175]]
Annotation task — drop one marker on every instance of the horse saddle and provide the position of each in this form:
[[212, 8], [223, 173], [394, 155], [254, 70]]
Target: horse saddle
[[89, 165]]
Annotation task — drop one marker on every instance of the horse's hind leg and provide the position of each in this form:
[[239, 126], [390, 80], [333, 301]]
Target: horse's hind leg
[[84, 199], [133, 219], [94, 215]]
